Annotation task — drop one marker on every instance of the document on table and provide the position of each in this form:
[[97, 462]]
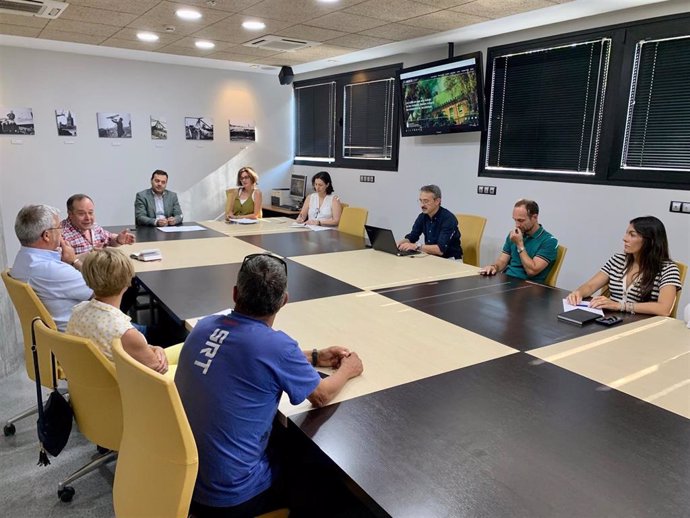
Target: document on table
[[584, 305], [243, 221], [190, 228], [315, 228]]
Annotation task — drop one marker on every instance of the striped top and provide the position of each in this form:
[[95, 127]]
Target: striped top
[[615, 269]]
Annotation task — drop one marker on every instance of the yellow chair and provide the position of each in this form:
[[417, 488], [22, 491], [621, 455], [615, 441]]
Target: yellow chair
[[683, 268], [683, 272], [552, 277], [352, 221], [158, 461], [471, 232], [28, 306], [94, 395]]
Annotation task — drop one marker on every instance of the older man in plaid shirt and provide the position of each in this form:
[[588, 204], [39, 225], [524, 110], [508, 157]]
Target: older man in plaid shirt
[[81, 231]]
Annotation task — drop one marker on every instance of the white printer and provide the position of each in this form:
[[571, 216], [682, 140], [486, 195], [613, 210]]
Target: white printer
[[281, 197]]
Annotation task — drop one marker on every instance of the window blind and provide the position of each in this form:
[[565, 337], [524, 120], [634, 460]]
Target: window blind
[[368, 120], [315, 122]]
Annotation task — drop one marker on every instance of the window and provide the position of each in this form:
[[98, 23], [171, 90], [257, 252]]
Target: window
[[349, 120], [546, 108], [657, 130], [608, 106]]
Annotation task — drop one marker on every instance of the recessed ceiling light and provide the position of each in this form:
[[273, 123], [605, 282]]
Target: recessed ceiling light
[[329, 1], [147, 36], [253, 25], [202, 44], [188, 14]]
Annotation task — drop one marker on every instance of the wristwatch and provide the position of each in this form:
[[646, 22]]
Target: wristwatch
[[520, 250]]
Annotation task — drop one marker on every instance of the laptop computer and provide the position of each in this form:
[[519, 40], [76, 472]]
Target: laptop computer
[[382, 239]]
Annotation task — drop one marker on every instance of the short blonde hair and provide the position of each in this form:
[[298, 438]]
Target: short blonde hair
[[250, 172], [107, 271]]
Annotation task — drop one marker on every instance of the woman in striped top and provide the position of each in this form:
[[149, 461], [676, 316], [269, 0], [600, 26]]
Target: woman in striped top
[[642, 279]]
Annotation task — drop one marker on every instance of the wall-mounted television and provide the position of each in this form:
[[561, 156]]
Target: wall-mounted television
[[442, 97]]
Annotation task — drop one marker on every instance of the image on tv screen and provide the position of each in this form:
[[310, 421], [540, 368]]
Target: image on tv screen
[[441, 99]]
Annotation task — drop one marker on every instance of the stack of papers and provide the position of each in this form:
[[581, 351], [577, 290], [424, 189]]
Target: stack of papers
[[316, 228], [152, 254], [243, 221]]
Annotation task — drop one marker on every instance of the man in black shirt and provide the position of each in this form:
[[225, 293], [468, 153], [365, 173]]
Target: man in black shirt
[[439, 226]]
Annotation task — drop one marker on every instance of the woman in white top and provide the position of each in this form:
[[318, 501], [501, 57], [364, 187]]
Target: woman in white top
[[108, 272], [245, 200], [322, 207]]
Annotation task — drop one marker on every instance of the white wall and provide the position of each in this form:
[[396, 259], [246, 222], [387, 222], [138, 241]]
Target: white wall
[[45, 169], [588, 219]]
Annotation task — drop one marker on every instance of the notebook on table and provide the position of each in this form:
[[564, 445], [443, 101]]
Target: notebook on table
[[578, 317], [382, 239]]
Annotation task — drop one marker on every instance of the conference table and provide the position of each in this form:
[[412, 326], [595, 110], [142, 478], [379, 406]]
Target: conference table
[[475, 400]]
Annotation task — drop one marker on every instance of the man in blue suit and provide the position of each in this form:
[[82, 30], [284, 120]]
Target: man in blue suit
[[157, 207]]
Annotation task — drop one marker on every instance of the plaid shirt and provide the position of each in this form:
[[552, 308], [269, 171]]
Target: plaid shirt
[[78, 240]]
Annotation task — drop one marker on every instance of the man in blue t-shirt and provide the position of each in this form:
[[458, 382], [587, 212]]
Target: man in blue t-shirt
[[529, 251], [438, 224], [231, 374]]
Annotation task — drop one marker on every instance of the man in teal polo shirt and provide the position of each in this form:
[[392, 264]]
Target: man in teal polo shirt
[[529, 250]]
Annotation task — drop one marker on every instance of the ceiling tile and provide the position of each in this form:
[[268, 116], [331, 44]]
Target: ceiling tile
[[398, 32], [279, 60], [296, 11], [443, 4], [92, 15], [92, 29], [19, 30], [390, 10], [232, 6], [444, 20], [50, 34], [163, 15], [306, 32], [131, 44], [185, 51], [124, 6], [26, 21], [250, 51], [165, 38], [320, 52], [189, 43], [359, 41], [501, 8], [354, 22], [230, 29]]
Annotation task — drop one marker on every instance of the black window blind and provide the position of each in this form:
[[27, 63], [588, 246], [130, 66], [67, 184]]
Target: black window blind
[[315, 122], [368, 120]]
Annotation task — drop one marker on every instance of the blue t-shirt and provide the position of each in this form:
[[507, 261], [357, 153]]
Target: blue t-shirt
[[231, 374], [541, 244], [441, 230]]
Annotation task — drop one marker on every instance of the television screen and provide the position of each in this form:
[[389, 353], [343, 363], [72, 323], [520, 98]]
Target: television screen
[[298, 186], [442, 97]]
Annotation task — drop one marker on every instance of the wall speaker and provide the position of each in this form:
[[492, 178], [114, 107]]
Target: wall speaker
[[286, 75]]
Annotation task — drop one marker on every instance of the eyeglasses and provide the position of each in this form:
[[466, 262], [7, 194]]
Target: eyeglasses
[[252, 256]]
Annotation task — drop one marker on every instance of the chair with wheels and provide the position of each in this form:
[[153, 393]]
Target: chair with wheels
[[157, 463], [28, 306], [471, 232], [552, 277], [352, 221], [94, 396]]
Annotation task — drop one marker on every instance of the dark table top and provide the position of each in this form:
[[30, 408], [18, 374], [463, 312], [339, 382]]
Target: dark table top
[[511, 311], [509, 437], [194, 292], [293, 244], [145, 234]]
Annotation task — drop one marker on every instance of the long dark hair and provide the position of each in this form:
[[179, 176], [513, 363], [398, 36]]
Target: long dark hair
[[653, 254], [325, 178]]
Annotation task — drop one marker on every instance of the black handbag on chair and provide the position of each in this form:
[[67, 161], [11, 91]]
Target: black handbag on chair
[[54, 423]]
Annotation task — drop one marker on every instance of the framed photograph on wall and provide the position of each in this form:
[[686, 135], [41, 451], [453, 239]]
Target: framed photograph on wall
[[16, 121], [242, 131], [66, 124], [159, 128], [114, 125], [198, 128]]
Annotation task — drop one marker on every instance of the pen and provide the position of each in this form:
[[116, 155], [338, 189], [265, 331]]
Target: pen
[[583, 304]]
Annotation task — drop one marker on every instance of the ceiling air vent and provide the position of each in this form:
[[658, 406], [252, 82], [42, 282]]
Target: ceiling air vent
[[280, 44], [39, 8]]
